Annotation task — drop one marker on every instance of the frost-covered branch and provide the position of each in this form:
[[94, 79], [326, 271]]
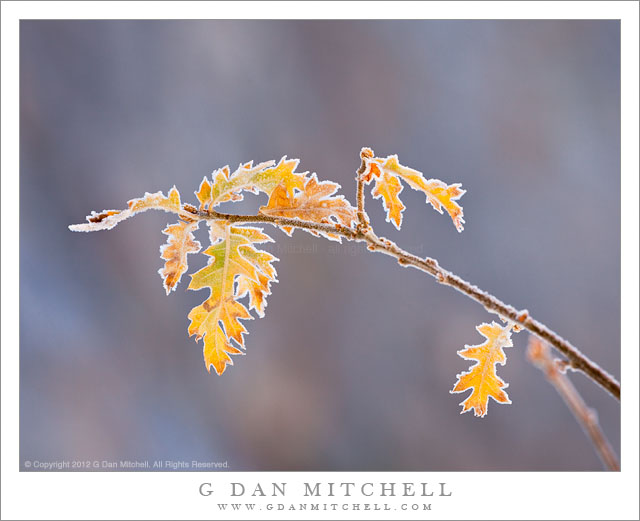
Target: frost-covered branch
[[300, 200], [212, 215], [577, 360]]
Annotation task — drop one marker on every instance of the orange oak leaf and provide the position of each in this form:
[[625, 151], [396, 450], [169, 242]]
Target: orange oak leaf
[[482, 377], [316, 202], [236, 268], [439, 194], [264, 177], [180, 243], [107, 219], [388, 187]]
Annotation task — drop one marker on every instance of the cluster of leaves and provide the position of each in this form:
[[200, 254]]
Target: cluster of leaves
[[237, 268], [387, 173]]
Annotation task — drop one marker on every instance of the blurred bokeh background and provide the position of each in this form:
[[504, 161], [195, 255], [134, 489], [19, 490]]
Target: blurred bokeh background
[[352, 365]]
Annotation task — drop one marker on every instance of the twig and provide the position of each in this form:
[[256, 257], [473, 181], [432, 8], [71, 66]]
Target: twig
[[336, 229], [362, 232], [362, 219], [538, 354], [576, 358]]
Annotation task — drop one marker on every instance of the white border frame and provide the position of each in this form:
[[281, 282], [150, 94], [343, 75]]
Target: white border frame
[[520, 495]]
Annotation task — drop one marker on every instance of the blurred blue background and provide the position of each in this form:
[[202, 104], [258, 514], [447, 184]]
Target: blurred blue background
[[352, 365]]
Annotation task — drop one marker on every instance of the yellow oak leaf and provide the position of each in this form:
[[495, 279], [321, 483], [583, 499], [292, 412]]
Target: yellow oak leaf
[[180, 243], [107, 219], [482, 377], [264, 177], [234, 262], [439, 194], [316, 202]]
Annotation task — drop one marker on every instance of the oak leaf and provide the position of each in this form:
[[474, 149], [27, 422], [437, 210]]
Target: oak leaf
[[264, 177], [316, 202], [180, 243], [482, 377], [107, 219], [234, 259], [388, 187], [439, 194]]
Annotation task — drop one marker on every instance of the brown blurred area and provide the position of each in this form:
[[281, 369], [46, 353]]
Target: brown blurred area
[[351, 367]]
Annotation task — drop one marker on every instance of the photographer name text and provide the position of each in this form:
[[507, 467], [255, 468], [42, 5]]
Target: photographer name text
[[330, 489]]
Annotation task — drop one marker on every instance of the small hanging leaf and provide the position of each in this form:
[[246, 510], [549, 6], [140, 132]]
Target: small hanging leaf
[[179, 244], [482, 377]]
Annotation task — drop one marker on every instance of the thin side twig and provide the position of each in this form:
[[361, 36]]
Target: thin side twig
[[538, 354]]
